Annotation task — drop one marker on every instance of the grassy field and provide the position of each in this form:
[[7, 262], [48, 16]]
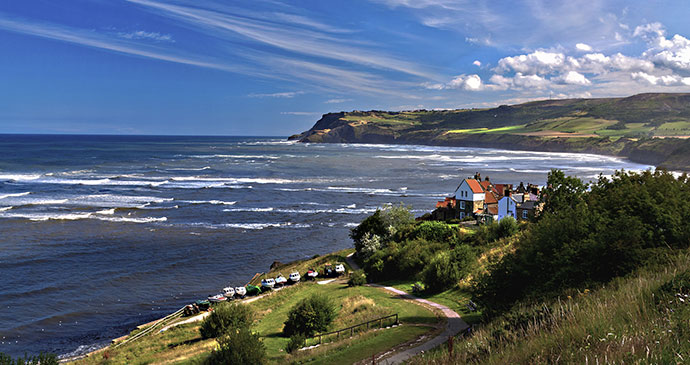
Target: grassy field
[[624, 322], [183, 344]]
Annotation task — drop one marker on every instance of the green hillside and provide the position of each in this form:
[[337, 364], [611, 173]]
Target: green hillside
[[625, 127]]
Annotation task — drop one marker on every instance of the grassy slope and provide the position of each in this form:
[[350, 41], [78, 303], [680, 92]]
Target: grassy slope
[[183, 344], [606, 126], [623, 322]]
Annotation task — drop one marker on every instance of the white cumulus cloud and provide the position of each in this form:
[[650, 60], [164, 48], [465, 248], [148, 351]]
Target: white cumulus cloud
[[583, 47]]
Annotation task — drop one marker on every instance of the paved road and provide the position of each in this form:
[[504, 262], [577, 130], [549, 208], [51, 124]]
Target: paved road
[[454, 325]]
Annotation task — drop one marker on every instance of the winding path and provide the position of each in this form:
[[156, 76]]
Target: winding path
[[454, 324]]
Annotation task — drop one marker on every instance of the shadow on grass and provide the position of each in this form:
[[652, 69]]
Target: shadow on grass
[[186, 342]]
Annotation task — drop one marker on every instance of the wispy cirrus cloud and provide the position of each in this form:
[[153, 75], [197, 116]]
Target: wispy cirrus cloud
[[297, 40], [287, 95], [142, 34], [300, 113], [97, 40], [336, 101]]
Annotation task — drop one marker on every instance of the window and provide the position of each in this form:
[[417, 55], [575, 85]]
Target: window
[[524, 214], [462, 215], [462, 204]]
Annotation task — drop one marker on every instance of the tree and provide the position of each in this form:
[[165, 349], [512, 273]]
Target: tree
[[310, 316], [238, 346], [224, 317], [561, 192], [380, 228]]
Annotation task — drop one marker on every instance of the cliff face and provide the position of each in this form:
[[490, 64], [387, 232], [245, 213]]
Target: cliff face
[[646, 128]]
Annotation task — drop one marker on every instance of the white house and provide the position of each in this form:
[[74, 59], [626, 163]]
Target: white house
[[470, 196], [507, 206]]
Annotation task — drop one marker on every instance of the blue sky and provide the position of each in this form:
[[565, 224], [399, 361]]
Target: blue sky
[[270, 67]]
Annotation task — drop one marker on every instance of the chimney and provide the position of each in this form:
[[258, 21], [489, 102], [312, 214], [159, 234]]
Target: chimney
[[486, 178]]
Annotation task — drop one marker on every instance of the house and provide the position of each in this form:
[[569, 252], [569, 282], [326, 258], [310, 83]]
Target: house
[[527, 209], [470, 196], [507, 206]]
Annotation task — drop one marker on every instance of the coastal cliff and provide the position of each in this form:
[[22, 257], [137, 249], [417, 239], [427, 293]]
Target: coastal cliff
[[645, 128]]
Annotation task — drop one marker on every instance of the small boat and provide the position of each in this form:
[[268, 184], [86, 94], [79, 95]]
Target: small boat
[[268, 283], [229, 292], [312, 274], [253, 289], [339, 269], [202, 304], [216, 298], [240, 291], [294, 278], [280, 280]]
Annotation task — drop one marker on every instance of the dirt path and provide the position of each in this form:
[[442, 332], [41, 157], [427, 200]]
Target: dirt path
[[454, 324]]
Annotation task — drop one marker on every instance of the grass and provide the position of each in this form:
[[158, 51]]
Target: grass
[[274, 310], [623, 322], [183, 344], [302, 266]]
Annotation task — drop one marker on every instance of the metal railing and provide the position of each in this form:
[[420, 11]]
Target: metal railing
[[353, 329]]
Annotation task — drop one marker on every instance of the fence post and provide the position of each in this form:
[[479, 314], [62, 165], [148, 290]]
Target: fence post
[[450, 345], [319, 340], [396, 319]]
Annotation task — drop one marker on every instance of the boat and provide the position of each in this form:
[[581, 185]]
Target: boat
[[229, 292], [312, 274], [240, 291], [280, 280], [294, 278], [339, 269], [202, 304], [216, 298], [252, 289], [268, 283]]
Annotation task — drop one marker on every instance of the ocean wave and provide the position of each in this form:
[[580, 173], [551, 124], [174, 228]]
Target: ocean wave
[[102, 215], [214, 202], [248, 210], [188, 168], [15, 195], [248, 157], [4, 209], [19, 177], [265, 225]]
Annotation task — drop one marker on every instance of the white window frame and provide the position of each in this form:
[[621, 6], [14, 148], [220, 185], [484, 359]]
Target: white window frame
[[462, 204]]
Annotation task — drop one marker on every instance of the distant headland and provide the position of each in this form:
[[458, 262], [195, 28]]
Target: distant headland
[[651, 128]]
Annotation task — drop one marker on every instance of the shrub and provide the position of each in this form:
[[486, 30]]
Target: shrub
[[296, 342], [507, 227], [435, 231], [224, 317], [238, 346], [40, 359], [310, 316], [447, 268], [357, 278]]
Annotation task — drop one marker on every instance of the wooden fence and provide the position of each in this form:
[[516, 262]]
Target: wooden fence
[[374, 323]]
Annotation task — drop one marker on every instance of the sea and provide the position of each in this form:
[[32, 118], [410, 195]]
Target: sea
[[99, 234]]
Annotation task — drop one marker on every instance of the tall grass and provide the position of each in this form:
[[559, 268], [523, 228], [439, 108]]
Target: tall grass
[[624, 322]]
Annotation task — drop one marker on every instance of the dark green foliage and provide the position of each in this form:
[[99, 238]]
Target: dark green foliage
[[447, 268], [384, 225], [296, 342], [493, 231], [310, 316], [238, 346], [587, 238], [40, 359], [562, 192], [357, 278], [507, 227], [435, 231], [226, 316]]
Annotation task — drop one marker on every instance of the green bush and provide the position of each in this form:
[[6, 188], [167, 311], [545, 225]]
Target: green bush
[[224, 317], [238, 346], [296, 342], [310, 316], [507, 227], [40, 359], [357, 278], [447, 268], [435, 231]]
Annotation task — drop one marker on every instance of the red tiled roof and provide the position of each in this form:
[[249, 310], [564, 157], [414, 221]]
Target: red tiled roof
[[485, 184], [492, 209], [474, 185], [490, 198]]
